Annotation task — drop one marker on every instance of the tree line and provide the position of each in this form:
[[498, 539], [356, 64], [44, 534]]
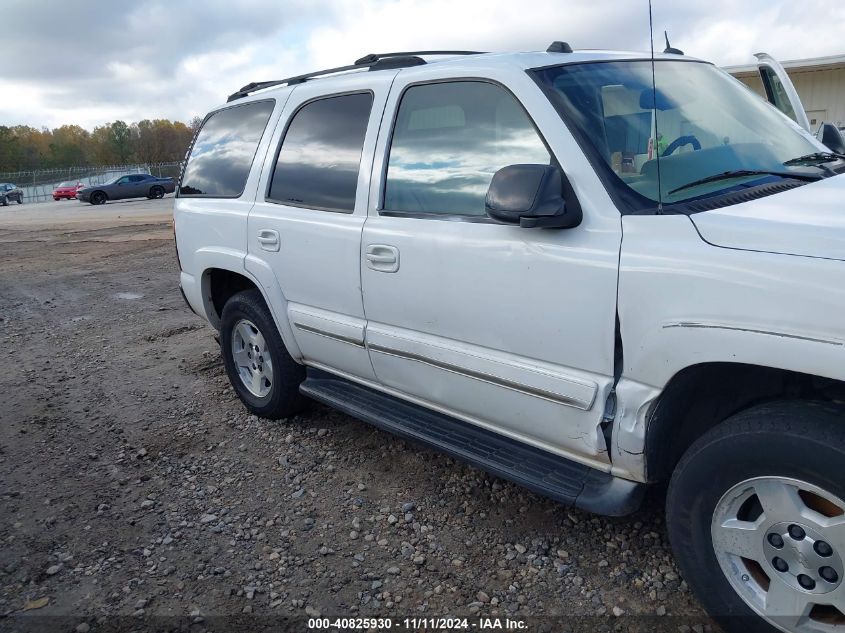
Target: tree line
[[24, 148]]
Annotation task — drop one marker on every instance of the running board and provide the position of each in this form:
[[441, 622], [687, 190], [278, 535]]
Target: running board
[[545, 473]]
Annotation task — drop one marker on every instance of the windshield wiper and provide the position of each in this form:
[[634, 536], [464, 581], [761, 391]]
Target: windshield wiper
[[815, 157], [739, 173]]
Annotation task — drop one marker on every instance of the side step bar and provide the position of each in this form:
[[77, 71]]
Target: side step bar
[[545, 473]]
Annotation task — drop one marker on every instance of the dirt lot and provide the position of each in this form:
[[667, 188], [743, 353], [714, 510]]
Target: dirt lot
[[136, 492]]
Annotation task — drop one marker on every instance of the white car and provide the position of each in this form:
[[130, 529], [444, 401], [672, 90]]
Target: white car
[[569, 276]]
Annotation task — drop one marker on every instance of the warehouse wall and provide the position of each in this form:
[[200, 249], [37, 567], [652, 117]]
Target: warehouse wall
[[822, 92]]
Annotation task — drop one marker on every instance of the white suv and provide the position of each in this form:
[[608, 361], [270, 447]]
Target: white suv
[[561, 272]]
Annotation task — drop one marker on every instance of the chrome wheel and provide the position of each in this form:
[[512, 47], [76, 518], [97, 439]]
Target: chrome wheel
[[780, 542], [252, 358]]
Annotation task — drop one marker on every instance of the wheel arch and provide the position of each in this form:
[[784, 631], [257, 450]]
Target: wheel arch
[[218, 286], [699, 397], [219, 283]]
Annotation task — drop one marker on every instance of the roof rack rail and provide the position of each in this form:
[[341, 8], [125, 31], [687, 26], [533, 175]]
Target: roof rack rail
[[373, 61], [373, 57]]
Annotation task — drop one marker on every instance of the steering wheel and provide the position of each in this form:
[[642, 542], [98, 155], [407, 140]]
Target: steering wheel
[[680, 142]]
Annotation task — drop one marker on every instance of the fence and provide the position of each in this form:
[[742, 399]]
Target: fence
[[38, 185]]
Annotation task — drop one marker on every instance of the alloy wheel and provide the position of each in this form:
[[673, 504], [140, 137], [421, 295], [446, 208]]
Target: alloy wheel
[[252, 358], [780, 542]]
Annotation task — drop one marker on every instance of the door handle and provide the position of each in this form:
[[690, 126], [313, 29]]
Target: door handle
[[382, 258], [269, 239]]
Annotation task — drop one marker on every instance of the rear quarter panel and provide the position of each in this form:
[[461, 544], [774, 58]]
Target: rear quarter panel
[[212, 232]]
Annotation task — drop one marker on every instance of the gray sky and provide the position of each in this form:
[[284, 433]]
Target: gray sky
[[89, 62]]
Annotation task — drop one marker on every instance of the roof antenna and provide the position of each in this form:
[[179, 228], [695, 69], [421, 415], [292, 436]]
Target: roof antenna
[[669, 49], [654, 143]]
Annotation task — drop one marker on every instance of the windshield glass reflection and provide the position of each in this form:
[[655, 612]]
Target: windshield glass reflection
[[697, 119]]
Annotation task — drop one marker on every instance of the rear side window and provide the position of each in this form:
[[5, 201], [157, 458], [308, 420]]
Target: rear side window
[[318, 162], [448, 141], [222, 155]]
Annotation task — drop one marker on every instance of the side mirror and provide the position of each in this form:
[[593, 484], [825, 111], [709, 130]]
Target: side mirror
[[830, 135], [531, 196]]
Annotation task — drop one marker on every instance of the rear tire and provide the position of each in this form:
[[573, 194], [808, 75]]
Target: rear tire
[[156, 192], [20, 199], [733, 501], [247, 330]]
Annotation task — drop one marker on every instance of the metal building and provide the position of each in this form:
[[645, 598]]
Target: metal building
[[820, 83]]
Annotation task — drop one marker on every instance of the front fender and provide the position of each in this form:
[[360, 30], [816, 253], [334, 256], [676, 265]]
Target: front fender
[[684, 302]]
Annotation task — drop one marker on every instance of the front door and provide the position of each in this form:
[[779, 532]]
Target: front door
[[505, 327], [139, 186], [123, 189], [780, 90], [309, 213]]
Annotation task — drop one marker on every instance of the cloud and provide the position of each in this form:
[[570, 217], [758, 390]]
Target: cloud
[[90, 62]]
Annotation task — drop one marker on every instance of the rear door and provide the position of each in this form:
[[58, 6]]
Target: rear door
[[779, 89], [505, 327], [310, 210]]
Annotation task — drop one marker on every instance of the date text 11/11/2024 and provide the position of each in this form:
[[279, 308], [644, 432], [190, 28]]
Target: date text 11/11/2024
[[415, 624]]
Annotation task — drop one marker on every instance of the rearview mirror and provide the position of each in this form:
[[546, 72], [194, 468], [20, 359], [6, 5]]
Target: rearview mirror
[[531, 196], [652, 99]]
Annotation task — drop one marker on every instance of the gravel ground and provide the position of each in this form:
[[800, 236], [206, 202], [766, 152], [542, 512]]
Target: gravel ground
[[135, 489]]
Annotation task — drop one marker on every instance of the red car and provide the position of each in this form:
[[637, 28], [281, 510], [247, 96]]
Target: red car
[[67, 190]]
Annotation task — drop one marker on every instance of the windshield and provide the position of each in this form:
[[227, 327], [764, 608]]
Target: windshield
[[700, 121], [69, 183], [111, 181]]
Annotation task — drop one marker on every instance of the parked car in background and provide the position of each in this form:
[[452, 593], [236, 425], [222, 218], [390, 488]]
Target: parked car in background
[[9, 193], [67, 190], [129, 186]]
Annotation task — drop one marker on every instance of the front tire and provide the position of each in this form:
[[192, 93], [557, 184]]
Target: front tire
[[259, 367], [756, 517], [98, 197]]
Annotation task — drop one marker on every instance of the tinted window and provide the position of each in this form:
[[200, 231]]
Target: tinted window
[[320, 155], [449, 140], [223, 151]]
